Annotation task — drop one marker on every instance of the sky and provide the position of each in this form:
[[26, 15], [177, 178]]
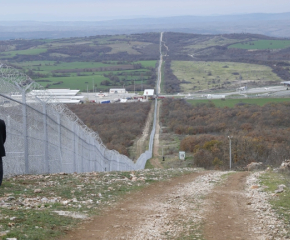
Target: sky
[[95, 10]]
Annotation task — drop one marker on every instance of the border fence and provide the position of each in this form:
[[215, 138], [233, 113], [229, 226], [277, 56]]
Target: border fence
[[44, 136]]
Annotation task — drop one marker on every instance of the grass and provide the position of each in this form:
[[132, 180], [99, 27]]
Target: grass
[[149, 165], [232, 102], [123, 47], [73, 81], [212, 41], [34, 51], [207, 75], [162, 85], [280, 203], [263, 44], [26, 216]]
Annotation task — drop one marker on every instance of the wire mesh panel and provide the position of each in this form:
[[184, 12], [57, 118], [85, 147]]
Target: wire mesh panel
[[44, 136]]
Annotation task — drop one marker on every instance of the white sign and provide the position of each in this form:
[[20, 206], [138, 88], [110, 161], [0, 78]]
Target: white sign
[[181, 155]]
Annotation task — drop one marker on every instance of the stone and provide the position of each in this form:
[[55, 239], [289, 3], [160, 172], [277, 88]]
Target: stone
[[10, 198], [134, 179], [285, 166], [37, 191], [44, 199], [255, 166]]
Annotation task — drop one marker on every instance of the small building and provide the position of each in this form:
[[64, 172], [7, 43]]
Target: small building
[[244, 88], [117, 91], [287, 83], [212, 96], [57, 95], [149, 92]]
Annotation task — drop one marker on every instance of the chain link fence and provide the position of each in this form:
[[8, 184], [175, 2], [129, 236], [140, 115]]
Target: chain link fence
[[44, 136]]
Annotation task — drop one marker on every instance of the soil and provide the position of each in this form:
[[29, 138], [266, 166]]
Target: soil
[[228, 216], [159, 209], [139, 146], [155, 160], [120, 221]]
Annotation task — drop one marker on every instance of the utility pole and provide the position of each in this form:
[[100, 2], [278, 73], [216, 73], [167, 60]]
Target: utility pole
[[230, 138]]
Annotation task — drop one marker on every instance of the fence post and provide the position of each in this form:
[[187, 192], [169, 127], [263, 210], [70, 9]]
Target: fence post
[[45, 139], [24, 119], [59, 141], [25, 133], [45, 136], [75, 147], [82, 153]]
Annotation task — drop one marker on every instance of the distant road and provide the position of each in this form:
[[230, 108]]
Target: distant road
[[274, 91], [158, 90]]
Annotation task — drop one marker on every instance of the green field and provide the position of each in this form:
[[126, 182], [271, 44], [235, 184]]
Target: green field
[[33, 51], [211, 41], [84, 80], [263, 44], [232, 102], [201, 75]]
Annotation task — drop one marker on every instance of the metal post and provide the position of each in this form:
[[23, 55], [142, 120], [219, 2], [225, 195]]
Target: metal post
[[59, 142], [25, 133], [94, 159], [230, 138], [82, 155], [74, 150], [45, 135], [45, 139]]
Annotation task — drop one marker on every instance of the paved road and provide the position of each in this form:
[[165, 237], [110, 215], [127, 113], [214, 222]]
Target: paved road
[[274, 91]]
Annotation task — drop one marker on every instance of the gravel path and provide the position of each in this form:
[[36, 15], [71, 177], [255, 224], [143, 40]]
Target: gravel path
[[202, 205], [267, 224]]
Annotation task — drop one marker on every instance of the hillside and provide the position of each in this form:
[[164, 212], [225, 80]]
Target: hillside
[[275, 25], [220, 52], [90, 63], [259, 133]]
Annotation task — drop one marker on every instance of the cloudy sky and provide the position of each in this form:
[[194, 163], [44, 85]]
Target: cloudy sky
[[84, 10]]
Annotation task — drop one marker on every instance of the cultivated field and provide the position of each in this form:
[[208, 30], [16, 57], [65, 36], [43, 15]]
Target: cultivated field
[[200, 75], [263, 44], [107, 61], [57, 75], [209, 42]]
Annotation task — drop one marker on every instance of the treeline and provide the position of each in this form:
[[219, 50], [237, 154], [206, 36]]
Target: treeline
[[118, 125], [172, 83], [259, 133]]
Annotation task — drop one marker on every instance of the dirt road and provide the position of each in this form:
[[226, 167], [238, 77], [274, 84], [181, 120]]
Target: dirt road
[[228, 216], [204, 205]]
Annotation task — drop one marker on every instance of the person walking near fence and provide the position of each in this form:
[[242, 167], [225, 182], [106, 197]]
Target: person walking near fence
[[2, 149]]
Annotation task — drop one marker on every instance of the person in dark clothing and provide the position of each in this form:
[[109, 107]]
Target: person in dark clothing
[[2, 149]]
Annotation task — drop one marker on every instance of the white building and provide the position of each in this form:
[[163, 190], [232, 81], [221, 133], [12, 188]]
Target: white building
[[58, 95], [212, 96], [117, 91], [148, 92]]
